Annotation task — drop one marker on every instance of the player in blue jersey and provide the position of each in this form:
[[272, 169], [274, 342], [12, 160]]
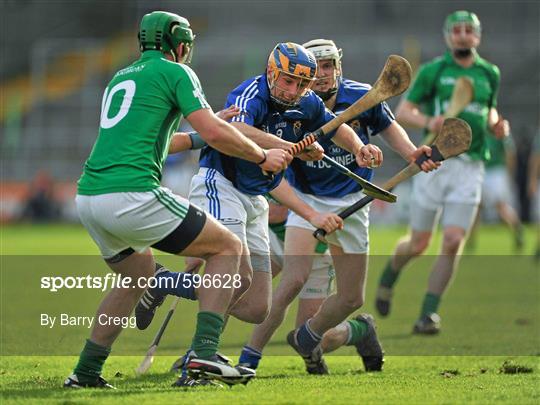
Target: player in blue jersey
[[277, 109], [324, 189]]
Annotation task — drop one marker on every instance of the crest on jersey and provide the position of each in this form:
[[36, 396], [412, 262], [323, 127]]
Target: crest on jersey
[[335, 150], [297, 128]]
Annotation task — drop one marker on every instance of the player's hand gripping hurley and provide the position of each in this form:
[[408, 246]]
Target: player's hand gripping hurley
[[393, 80], [454, 139]]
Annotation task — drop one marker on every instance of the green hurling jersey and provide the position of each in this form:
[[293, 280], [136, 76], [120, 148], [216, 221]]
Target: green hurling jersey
[[141, 109], [433, 87]]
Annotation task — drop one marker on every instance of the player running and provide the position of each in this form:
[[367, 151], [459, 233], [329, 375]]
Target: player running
[[277, 109], [455, 189], [123, 207], [321, 187]]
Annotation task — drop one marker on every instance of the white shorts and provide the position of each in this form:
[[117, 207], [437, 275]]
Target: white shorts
[[354, 238], [455, 189], [244, 215], [319, 283], [137, 220], [496, 187]]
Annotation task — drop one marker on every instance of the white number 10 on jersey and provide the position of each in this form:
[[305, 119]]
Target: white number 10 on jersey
[[128, 86]]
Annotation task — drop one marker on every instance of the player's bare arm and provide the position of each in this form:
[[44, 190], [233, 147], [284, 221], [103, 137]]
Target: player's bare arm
[[500, 128], [261, 138], [396, 137], [228, 113], [227, 139], [286, 195], [277, 213], [409, 115], [366, 155], [182, 141]]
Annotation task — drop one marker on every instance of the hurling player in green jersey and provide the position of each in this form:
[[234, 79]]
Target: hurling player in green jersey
[[455, 188], [126, 211]]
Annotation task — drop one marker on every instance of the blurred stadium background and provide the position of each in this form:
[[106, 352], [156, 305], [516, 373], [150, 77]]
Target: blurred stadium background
[[57, 57]]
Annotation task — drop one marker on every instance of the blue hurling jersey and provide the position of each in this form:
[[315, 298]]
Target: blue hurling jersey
[[256, 109], [319, 178]]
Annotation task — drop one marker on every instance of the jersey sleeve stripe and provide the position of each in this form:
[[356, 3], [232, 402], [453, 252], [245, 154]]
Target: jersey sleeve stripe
[[242, 100], [242, 103], [388, 111]]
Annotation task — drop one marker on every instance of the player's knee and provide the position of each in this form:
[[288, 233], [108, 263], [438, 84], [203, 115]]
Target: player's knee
[[418, 245], [246, 279], [352, 303], [258, 312], [294, 286], [261, 312], [232, 245], [452, 242]]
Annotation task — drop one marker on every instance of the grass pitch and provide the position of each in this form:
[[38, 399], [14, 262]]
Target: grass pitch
[[281, 380], [487, 353]]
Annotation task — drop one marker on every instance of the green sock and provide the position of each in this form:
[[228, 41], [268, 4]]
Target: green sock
[[91, 362], [321, 247], [389, 276], [430, 304], [207, 332], [358, 331]]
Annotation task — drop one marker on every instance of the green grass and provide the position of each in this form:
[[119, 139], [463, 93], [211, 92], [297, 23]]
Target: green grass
[[491, 314], [73, 239], [281, 380]]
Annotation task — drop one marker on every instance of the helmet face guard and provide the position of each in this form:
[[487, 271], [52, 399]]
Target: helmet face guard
[[293, 60], [164, 31], [461, 17], [326, 49]]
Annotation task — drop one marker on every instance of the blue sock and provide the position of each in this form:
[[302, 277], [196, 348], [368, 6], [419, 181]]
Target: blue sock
[[250, 357], [307, 339], [172, 283], [184, 365]]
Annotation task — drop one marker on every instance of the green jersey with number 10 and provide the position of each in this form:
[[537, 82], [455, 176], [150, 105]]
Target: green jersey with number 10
[[140, 111]]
